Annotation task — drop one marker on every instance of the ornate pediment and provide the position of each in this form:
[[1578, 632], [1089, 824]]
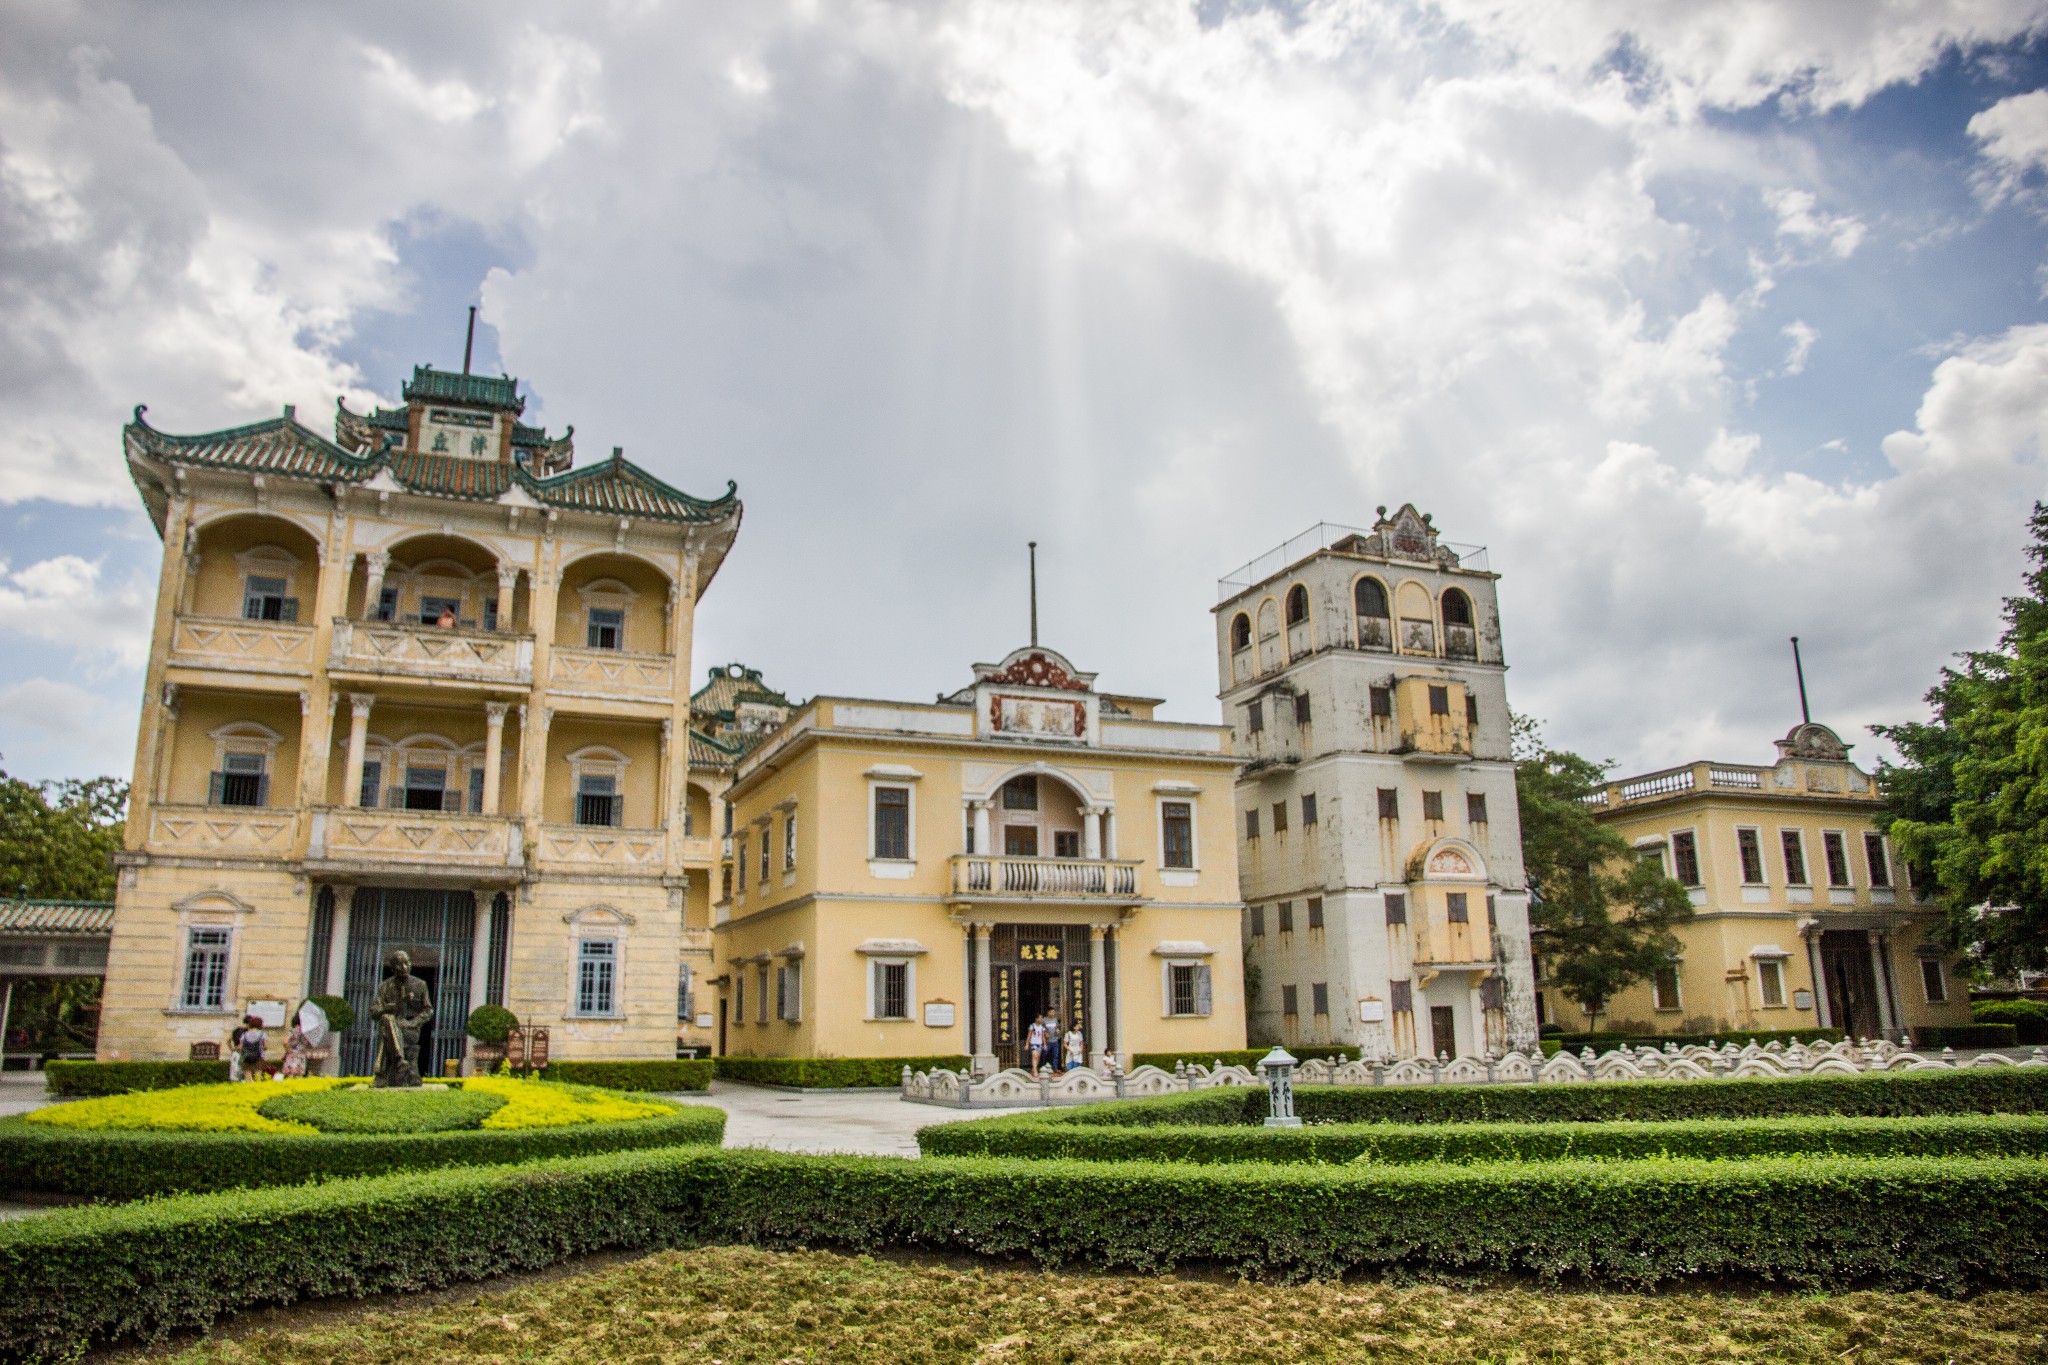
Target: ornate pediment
[[1814, 741], [1446, 860], [1036, 667], [1407, 534]]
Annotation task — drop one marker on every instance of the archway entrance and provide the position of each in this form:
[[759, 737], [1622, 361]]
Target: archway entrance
[[1036, 968], [437, 929]]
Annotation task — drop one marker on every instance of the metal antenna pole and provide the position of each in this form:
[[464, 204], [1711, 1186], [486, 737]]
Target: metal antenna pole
[[1034, 594], [469, 343], [1805, 716]]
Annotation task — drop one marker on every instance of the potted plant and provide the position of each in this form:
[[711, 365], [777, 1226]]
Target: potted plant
[[488, 1028]]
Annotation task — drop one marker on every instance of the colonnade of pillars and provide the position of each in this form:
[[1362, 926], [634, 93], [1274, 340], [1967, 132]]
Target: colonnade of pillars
[[1888, 1020], [1098, 830], [981, 1026], [376, 562], [359, 704]]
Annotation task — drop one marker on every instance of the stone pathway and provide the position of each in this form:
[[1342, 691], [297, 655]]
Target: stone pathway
[[870, 1123]]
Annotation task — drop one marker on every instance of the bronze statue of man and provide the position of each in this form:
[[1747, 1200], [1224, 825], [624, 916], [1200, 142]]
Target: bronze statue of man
[[401, 1010]]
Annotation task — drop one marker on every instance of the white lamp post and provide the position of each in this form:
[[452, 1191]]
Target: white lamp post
[[1279, 1069]]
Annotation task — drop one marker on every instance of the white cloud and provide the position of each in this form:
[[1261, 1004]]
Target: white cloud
[[1800, 335], [1799, 219], [61, 600], [2014, 136], [58, 729]]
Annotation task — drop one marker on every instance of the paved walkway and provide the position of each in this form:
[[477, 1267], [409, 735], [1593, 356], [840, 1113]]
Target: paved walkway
[[874, 1123]]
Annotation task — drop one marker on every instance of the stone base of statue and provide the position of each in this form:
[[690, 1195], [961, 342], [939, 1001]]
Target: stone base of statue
[[402, 1076]]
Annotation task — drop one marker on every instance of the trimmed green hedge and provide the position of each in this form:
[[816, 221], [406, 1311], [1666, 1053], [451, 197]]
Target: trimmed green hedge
[[1245, 1057], [661, 1076], [1054, 1136], [95, 1274], [131, 1164], [79, 1080], [1609, 1042], [1966, 1035], [2029, 1018], [830, 1073], [435, 1109]]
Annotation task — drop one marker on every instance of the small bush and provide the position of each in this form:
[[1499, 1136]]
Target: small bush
[[435, 1109], [669, 1076], [1055, 1136], [1248, 1057], [218, 1108], [491, 1025], [83, 1275], [1610, 1042], [2029, 1018], [1966, 1035], [80, 1079], [830, 1073], [340, 1014]]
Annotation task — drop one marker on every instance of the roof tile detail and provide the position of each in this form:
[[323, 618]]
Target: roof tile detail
[[56, 917]]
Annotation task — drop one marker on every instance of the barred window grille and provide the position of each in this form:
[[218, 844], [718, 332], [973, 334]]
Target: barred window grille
[[892, 990], [892, 820], [597, 800], [206, 968]]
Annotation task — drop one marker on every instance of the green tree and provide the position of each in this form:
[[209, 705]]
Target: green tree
[[1969, 805], [58, 839], [1602, 916]]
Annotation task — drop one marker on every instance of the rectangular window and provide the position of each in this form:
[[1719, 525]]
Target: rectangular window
[[1401, 997], [1471, 709], [387, 604], [1475, 808], [1874, 858], [767, 842], [686, 996], [1456, 908], [1187, 985], [240, 782], [1258, 918], [206, 969], [1751, 849], [789, 842], [490, 613], [1390, 804], [597, 800], [433, 609], [892, 990], [1932, 982], [1290, 1002], [787, 987], [265, 600], [739, 861], [739, 996], [1382, 703], [1020, 841], [1066, 843], [1795, 857], [1397, 907], [1439, 700], [597, 968], [1664, 988], [1279, 817], [1021, 793], [1432, 805], [1301, 708], [1319, 998], [1255, 717], [892, 822], [1685, 857], [761, 994], [1251, 824], [373, 782], [1770, 982], [476, 791], [1836, 850], [1286, 917], [606, 629], [1177, 819], [1308, 808], [1315, 912], [424, 789]]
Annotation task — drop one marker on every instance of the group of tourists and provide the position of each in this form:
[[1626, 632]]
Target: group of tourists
[[247, 1044], [1048, 1048]]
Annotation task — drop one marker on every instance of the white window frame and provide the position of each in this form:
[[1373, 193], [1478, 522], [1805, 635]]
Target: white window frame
[[185, 1004], [762, 976], [1763, 862], [1699, 860], [1884, 848], [765, 862], [1769, 969], [1201, 966], [1805, 862], [1940, 974], [1677, 1005], [739, 994], [615, 958], [789, 990], [608, 594], [213, 910], [1848, 863], [875, 965], [907, 779], [789, 840], [597, 760]]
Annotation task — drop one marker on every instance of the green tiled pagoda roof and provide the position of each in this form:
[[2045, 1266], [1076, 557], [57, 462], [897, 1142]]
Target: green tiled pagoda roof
[[281, 446], [721, 695], [706, 752], [480, 389], [56, 917]]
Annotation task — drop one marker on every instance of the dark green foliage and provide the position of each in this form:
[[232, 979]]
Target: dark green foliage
[[1602, 916], [830, 1073], [58, 1014], [491, 1025], [128, 1164], [1965, 1035], [1970, 805], [58, 839], [1244, 1057], [2029, 1018], [340, 1014], [435, 1109], [662, 1076], [78, 1080], [147, 1269], [1608, 1042], [1053, 1136]]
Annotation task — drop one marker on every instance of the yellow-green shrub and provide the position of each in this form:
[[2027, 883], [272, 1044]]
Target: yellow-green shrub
[[545, 1104], [187, 1109]]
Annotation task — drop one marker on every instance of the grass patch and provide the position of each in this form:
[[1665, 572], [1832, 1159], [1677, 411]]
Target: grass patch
[[428, 1110], [740, 1306]]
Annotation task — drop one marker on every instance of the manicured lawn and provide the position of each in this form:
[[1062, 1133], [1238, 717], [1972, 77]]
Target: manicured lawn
[[728, 1305]]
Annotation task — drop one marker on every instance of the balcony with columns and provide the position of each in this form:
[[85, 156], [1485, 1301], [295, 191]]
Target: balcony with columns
[[1038, 816], [434, 609], [402, 651]]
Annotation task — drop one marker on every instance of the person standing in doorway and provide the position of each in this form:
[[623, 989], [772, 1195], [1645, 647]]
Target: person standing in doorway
[[1074, 1047], [1035, 1041]]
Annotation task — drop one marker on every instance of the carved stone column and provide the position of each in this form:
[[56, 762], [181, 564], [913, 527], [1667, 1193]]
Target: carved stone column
[[982, 833], [1887, 1017], [1816, 964], [508, 579], [1098, 999], [494, 753], [359, 704], [1091, 832], [374, 564], [984, 1060]]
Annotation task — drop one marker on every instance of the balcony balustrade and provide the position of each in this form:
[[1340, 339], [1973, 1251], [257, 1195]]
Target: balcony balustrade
[[233, 645], [416, 838], [699, 850], [223, 831], [397, 649], [601, 847], [612, 673], [1044, 878]]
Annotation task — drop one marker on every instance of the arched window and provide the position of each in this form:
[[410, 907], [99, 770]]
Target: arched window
[[1297, 605], [1371, 598], [1460, 641], [1375, 630], [1240, 633], [1457, 608]]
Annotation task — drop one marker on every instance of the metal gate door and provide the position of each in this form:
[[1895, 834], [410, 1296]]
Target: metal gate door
[[438, 930]]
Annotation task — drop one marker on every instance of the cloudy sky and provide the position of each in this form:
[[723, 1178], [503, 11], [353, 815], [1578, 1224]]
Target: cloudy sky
[[1716, 322]]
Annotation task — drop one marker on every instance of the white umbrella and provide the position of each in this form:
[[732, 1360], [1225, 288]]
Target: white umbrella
[[313, 1023]]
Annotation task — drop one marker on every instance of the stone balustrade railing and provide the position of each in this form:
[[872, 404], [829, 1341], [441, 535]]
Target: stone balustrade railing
[[1015, 1087]]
